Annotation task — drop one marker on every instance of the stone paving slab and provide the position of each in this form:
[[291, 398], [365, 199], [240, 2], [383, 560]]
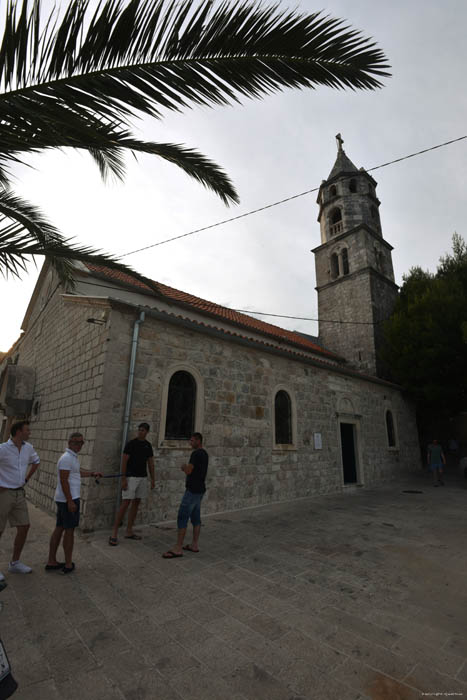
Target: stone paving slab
[[344, 597]]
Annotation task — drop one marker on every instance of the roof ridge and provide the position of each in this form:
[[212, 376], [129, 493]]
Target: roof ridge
[[212, 309]]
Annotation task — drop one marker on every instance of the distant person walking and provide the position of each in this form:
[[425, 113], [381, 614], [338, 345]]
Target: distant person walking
[[18, 462], [67, 498], [190, 507], [138, 457], [436, 462]]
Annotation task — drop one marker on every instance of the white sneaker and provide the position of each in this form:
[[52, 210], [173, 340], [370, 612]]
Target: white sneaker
[[18, 567]]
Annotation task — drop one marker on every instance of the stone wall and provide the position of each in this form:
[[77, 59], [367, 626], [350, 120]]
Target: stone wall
[[239, 384], [68, 355]]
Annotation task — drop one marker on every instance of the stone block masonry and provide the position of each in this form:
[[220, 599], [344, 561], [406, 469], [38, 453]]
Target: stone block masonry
[[81, 383]]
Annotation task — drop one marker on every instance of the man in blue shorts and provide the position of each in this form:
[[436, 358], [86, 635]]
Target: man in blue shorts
[[67, 498], [190, 507], [436, 461]]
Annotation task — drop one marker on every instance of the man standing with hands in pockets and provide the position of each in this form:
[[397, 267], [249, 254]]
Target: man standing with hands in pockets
[[137, 458]]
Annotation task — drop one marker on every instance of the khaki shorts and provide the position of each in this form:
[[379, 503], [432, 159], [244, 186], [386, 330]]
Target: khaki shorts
[[137, 488], [13, 508]]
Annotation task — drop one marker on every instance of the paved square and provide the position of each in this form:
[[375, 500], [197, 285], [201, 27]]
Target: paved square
[[361, 595]]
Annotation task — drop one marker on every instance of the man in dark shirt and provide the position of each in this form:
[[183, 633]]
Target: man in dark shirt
[[190, 507], [137, 458]]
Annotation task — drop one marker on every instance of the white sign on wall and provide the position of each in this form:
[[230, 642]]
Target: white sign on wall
[[318, 442]]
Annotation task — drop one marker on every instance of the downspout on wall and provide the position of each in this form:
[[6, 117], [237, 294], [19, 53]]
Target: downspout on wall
[[129, 393]]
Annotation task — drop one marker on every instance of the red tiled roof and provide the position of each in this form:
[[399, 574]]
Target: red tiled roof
[[208, 307]]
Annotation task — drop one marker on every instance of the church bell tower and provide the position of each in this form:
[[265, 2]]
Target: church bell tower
[[354, 272]]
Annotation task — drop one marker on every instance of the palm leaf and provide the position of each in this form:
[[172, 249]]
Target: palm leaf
[[25, 233], [107, 146], [74, 81]]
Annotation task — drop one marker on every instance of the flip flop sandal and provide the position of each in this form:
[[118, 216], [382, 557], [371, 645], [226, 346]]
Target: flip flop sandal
[[113, 541], [54, 567], [171, 555], [187, 548], [68, 570]]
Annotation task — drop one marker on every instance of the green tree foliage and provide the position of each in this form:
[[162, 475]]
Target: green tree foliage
[[79, 77], [425, 340]]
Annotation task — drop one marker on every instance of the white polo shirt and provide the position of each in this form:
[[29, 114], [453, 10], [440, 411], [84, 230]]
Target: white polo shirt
[[14, 463], [68, 462]]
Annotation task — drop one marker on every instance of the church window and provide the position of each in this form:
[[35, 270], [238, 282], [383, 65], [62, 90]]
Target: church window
[[345, 262], [181, 404], [283, 418], [336, 215], [391, 434], [333, 191], [334, 266], [374, 213], [353, 185], [335, 219]]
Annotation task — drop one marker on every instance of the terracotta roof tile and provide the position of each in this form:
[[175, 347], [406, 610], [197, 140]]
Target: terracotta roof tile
[[215, 310]]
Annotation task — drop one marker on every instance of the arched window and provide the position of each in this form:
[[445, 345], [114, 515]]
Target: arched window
[[336, 215], [390, 429], [283, 418], [333, 191], [334, 266], [353, 185], [181, 404], [345, 262], [335, 220], [374, 213]]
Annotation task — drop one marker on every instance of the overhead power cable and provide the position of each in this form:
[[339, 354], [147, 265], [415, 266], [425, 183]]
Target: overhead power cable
[[261, 313], [287, 199]]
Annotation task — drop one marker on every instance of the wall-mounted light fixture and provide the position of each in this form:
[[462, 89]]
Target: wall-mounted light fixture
[[96, 321]]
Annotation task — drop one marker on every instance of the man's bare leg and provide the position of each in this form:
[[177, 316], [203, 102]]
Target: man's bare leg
[[194, 546], [119, 517], [68, 541], [53, 546], [132, 516], [20, 539]]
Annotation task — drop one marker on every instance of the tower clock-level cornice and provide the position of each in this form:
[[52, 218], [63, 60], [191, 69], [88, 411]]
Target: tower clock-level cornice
[[355, 229], [364, 271]]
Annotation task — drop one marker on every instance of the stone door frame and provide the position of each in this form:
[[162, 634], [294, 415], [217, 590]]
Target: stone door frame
[[355, 421]]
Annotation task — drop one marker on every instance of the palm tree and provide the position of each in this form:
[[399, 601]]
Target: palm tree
[[80, 77]]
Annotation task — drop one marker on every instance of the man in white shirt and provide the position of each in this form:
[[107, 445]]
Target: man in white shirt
[[18, 462], [67, 497]]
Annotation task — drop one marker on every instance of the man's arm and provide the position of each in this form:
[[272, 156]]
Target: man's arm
[[32, 469], [86, 472], [64, 476], [151, 470], [125, 459], [187, 468]]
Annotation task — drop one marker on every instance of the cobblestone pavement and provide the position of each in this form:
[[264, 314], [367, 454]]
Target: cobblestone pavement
[[361, 595]]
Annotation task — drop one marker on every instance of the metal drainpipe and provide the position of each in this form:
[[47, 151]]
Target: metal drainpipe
[[129, 393]]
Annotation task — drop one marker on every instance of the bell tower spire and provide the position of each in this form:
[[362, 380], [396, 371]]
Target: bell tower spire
[[354, 272]]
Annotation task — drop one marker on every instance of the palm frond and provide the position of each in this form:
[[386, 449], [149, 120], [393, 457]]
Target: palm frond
[[147, 56], [107, 145], [25, 233]]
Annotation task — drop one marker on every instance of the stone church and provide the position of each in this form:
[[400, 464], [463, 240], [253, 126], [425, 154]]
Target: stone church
[[284, 415]]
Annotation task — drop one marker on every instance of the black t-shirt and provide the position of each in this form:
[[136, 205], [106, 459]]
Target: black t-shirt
[[139, 452], [195, 481]]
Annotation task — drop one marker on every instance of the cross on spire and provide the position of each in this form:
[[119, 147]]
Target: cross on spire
[[340, 141]]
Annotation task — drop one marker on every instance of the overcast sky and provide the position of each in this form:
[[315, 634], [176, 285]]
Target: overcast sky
[[273, 149]]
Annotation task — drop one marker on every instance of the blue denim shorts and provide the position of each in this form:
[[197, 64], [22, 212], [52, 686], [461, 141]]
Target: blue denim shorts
[[190, 509]]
